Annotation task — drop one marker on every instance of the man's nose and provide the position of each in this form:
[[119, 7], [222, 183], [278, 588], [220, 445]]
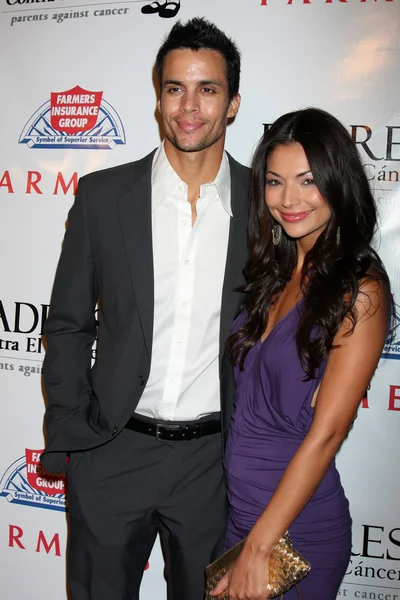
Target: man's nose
[[190, 102]]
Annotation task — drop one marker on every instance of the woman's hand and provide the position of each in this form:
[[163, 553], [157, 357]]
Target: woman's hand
[[248, 578]]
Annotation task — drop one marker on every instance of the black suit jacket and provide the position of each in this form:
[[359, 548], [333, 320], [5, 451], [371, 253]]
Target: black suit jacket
[[107, 258]]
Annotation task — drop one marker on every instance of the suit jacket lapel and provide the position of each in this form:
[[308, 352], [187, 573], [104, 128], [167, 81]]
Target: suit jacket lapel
[[135, 215], [237, 251]]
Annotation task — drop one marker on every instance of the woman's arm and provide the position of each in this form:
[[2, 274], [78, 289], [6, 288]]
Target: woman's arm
[[348, 372]]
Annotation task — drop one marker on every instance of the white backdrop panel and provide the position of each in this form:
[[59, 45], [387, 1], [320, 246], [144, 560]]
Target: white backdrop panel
[[343, 56]]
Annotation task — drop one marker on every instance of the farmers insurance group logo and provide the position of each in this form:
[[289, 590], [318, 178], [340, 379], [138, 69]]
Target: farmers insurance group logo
[[76, 118], [27, 482]]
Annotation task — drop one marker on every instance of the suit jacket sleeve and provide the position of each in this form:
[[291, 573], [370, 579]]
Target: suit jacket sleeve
[[70, 329]]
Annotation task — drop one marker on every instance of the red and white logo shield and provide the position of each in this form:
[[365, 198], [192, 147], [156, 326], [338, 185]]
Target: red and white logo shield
[[75, 110], [39, 478]]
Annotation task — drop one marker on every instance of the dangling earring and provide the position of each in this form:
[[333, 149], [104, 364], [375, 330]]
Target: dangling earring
[[276, 234], [338, 236]]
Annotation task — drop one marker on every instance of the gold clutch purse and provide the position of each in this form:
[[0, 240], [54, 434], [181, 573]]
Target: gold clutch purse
[[286, 567]]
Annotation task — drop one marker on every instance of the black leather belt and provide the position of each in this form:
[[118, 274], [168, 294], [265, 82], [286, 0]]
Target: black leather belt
[[175, 431]]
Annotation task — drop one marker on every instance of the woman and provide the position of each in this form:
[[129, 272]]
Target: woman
[[316, 311]]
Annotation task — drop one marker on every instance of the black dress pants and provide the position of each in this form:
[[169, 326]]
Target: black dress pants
[[123, 493]]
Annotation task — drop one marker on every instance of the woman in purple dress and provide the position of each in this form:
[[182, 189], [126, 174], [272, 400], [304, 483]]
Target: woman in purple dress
[[304, 349]]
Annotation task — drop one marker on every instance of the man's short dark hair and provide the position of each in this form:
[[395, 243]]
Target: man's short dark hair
[[200, 34]]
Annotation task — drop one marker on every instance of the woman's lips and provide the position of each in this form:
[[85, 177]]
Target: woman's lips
[[295, 217]]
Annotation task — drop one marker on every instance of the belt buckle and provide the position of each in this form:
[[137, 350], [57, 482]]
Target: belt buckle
[[188, 433], [158, 432], [163, 435]]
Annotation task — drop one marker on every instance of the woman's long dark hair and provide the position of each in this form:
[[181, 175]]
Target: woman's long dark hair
[[332, 271]]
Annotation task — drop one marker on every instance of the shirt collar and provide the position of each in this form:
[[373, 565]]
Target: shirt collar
[[164, 179], [223, 184]]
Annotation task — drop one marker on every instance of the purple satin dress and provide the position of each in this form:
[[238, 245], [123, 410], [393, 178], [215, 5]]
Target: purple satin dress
[[272, 417]]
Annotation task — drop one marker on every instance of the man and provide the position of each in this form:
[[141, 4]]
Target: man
[[161, 244]]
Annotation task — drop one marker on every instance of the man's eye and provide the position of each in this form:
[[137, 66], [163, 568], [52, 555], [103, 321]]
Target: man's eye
[[173, 90], [208, 90]]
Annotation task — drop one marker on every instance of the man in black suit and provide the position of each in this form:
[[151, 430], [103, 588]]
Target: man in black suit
[[160, 244]]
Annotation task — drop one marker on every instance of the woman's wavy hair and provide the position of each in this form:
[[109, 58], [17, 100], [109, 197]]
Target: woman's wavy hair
[[332, 269]]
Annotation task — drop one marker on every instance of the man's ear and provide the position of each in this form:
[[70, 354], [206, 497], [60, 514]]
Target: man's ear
[[234, 106]]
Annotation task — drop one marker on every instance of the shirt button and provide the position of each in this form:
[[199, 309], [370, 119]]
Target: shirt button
[[183, 223], [180, 188], [179, 343], [115, 431], [141, 380], [187, 262], [184, 304]]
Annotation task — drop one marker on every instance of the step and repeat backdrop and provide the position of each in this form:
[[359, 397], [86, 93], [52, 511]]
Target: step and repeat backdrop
[[77, 95]]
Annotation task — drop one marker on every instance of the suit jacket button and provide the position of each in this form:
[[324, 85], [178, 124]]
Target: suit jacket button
[[115, 431], [141, 380]]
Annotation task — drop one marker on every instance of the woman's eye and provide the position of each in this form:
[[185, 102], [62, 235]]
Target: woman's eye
[[309, 181], [272, 182]]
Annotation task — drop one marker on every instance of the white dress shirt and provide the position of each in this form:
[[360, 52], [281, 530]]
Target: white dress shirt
[[189, 268]]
